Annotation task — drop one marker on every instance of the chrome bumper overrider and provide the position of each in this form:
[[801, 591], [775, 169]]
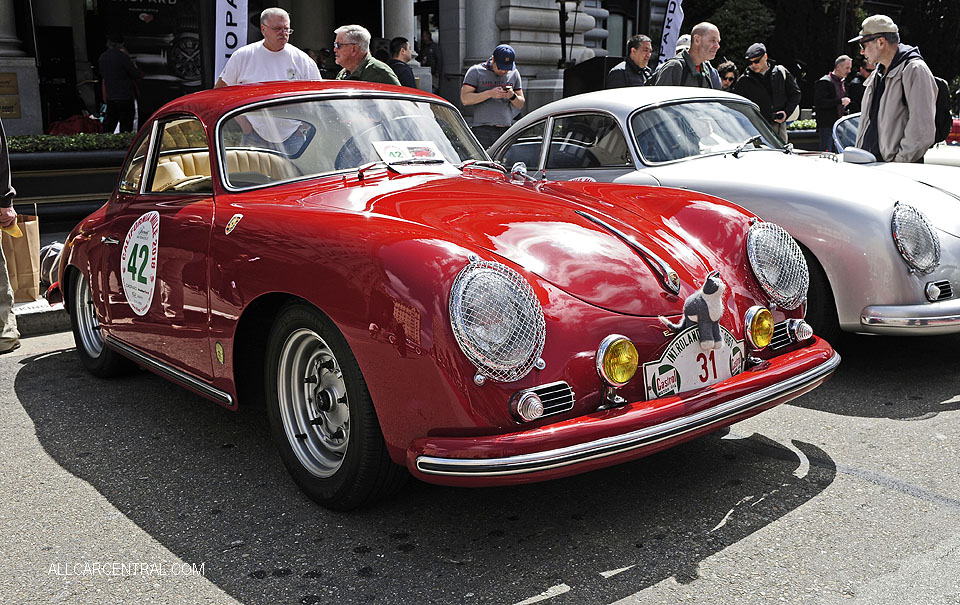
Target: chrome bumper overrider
[[609, 446], [929, 318]]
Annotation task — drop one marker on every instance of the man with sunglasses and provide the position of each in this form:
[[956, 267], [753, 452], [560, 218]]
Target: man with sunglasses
[[855, 85], [270, 59], [899, 99], [352, 52], [830, 100], [772, 87]]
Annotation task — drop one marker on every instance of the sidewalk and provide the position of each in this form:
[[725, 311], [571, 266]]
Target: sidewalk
[[40, 317]]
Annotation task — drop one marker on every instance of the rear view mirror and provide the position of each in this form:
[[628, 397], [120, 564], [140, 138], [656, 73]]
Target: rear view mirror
[[855, 155]]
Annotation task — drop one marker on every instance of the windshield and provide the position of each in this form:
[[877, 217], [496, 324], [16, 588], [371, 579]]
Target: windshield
[[319, 136], [684, 130]]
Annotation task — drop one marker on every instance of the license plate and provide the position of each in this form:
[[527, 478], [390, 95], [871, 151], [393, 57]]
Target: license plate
[[686, 366]]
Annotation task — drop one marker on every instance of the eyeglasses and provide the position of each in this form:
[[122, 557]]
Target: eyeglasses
[[728, 78], [281, 30], [339, 45], [755, 61], [867, 40]]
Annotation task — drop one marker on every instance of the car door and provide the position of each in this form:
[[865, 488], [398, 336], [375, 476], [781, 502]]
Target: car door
[[526, 147], [155, 269]]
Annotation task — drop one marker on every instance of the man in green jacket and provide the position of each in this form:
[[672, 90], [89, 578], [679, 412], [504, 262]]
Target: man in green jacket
[[352, 52], [692, 67]]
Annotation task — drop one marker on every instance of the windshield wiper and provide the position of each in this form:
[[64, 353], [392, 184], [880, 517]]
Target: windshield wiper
[[754, 140], [418, 161]]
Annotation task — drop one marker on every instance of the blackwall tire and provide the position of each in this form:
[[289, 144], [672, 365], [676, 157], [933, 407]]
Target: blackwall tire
[[321, 415]]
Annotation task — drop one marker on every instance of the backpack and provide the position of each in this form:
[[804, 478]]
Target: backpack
[[943, 122]]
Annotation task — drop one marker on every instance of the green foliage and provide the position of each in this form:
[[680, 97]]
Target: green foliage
[[70, 142], [803, 125], [737, 33]]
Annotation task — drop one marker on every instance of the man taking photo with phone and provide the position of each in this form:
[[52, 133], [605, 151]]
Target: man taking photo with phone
[[495, 89]]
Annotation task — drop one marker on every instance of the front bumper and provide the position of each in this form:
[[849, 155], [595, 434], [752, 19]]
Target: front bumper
[[612, 436], [923, 319]]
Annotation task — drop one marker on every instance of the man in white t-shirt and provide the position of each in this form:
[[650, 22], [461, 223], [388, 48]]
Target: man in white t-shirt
[[270, 59]]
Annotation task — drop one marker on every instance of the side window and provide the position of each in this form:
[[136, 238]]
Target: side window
[[588, 141], [183, 160], [133, 171], [525, 147]]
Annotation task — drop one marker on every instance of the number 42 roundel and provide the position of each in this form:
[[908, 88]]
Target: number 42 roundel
[[138, 262]]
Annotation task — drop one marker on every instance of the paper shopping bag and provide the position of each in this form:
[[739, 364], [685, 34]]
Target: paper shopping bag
[[23, 259]]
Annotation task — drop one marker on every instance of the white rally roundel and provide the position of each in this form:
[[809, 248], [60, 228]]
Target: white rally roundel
[[138, 262]]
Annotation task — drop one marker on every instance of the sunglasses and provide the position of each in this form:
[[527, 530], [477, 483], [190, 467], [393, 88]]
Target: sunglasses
[[755, 61], [281, 30], [729, 78], [339, 45], [864, 41]]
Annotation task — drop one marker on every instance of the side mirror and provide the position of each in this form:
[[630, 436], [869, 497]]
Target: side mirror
[[855, 155], [519, 171]]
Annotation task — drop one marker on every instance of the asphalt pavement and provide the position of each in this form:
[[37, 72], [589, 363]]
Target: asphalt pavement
[[136, 491]]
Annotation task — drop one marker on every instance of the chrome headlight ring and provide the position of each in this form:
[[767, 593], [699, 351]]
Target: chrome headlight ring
[[778, 264], [497, 320], [915, 237]]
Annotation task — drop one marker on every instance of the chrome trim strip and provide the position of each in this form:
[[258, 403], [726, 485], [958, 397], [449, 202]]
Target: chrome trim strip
[[608, 446], [941, 314], [170, 372], [662, 268]]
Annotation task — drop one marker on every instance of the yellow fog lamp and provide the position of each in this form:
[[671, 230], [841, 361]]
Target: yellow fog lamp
[[617, 360], [759, 326]]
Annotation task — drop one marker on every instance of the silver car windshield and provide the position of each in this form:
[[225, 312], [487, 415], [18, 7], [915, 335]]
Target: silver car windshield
[[686, 130], [294, 140]]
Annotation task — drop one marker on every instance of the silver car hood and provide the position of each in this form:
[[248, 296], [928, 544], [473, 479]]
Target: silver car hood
[[820, 188]]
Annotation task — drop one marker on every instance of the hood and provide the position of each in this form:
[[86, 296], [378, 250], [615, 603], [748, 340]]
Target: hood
[[904, 53], [800, 193], [538, 227]]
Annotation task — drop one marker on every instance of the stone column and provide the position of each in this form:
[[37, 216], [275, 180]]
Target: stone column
[[9, 43], [398, 20], [483, 34]]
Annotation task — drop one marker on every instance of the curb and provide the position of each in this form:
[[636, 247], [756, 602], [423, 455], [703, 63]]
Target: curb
[[40, 317]]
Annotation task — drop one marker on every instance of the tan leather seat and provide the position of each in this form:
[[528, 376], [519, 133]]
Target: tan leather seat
[[197, 163]]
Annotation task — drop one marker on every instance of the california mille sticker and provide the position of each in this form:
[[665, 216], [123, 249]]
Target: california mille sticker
[[138, 262], [234, 220], [685, 365]]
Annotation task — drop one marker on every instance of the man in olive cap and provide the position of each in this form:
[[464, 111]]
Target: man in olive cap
[[899, 98]]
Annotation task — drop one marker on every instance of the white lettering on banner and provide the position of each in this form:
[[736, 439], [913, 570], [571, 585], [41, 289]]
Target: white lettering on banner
[[672, 22], [231, 31]]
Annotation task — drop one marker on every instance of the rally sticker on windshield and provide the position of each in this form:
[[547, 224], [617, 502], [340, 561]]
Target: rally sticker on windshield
[[685, 365], [408, 151], [138, 262]]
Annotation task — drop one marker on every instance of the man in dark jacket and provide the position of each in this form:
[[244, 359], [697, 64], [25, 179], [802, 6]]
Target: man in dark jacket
[[772, 87], [855, 86], [401, 54], [830, 100], [119, 76], [633, 70]]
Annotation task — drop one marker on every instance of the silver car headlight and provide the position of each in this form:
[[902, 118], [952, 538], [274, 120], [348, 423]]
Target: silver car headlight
[[497, 320], [778, 263], [915, 237]]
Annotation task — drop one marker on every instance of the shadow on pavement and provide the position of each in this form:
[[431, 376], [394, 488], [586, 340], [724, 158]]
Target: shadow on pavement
[[900, 378], [208, 485]]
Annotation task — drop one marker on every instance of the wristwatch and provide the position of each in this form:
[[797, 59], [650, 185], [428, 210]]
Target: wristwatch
[[513, 97]]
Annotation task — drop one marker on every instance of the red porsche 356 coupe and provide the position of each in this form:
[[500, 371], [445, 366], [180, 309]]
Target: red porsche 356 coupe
[[347, 254]]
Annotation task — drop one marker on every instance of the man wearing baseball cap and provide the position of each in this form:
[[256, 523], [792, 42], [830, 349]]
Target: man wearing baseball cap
[[772, 87], [495, 90], [899, 98]]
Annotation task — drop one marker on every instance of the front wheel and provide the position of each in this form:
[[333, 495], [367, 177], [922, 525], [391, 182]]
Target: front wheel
[[95, 357], [321, 415], [821, 308]]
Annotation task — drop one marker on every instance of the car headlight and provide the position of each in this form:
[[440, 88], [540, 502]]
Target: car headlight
[[778, 263], [758, 326], [915, 237], [497, 320]]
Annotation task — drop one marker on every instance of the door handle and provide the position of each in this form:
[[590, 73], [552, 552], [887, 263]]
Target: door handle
[[109, 240]]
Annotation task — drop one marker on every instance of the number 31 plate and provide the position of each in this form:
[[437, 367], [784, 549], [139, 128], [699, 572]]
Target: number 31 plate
[[685, 365]]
